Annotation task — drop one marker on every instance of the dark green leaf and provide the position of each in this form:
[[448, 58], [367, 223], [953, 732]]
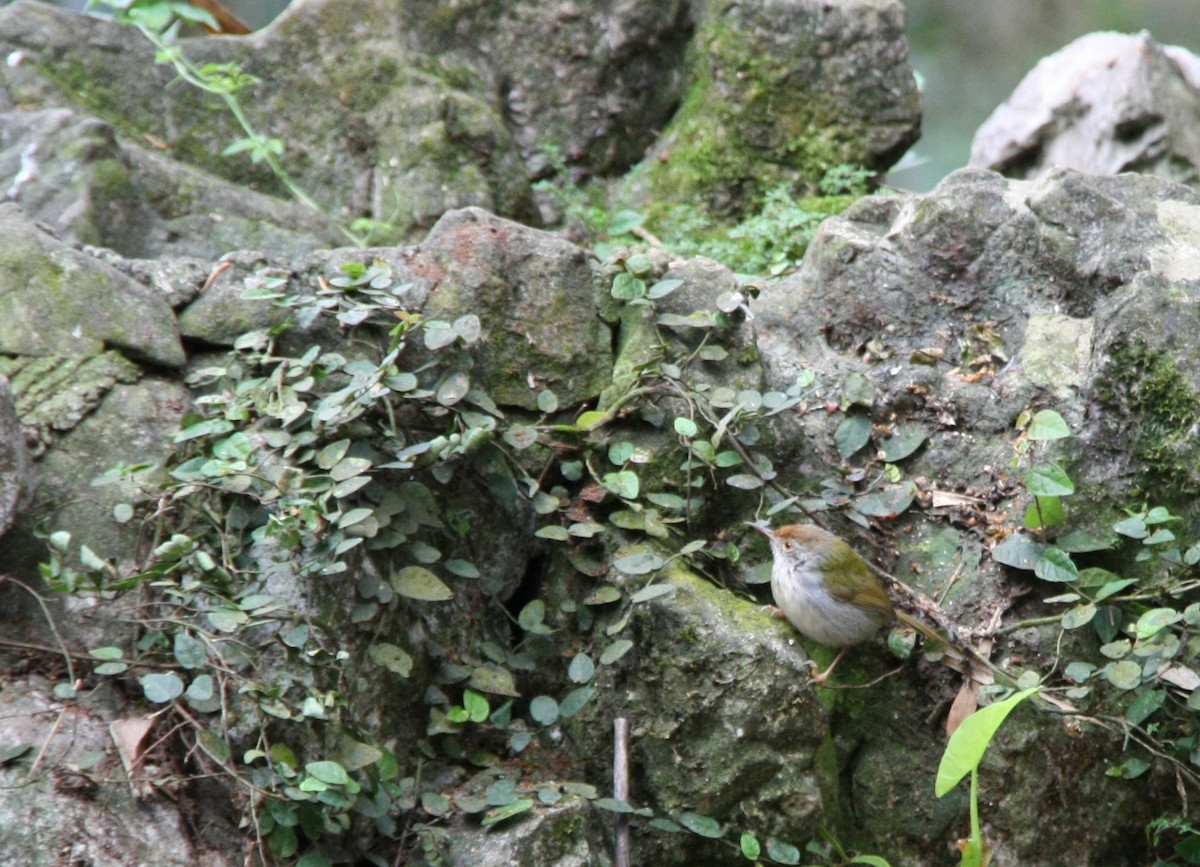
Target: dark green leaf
[[857, 391], [614, 805], [573, 702], [1056, 565], [189, 652], [782, 853], [652, 591], [623, 484], [1125, 674], [1145, 705], [1081, 541], [852, 434], [906, 438], [639, 562], [1080, 615], [1018, 551], [663, 288], [494, 679], [702, 825], [1134, 528], [626, 287], [531, 618]]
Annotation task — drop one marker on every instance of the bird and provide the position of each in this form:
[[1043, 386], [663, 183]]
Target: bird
[[827, 591]]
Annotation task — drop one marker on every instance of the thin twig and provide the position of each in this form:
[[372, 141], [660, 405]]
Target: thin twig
[[621, 787]]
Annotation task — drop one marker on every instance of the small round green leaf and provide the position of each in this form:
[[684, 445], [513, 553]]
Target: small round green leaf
[[544, 710], [639, 562], [751, 848], [162, 688], [782, 853], [189, 652], [581, 668], [1018, 551], [624, 484], [1080, 615], [574, 701], [685, 427], [1125, 674], [554, 532]]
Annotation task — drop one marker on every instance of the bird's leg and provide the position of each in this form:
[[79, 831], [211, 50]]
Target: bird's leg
[[818, 679]]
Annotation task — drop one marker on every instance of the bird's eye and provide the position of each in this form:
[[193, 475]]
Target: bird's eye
[[787, 546]]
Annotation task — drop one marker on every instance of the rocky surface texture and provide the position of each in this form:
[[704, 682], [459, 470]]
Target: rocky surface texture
[[523, 473], [1105, 104]]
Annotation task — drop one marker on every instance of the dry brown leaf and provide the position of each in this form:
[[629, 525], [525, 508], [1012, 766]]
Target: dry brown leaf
[[965, 704], [129, 735]]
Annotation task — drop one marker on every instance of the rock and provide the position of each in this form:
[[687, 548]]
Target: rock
[[543, 302], [55, 300], [384, 133], [718, 723], [71, 172], [1105, 104], [780, 93], [604, 79], [76, 807], [568, 834], [15, 470], [1065, 292]]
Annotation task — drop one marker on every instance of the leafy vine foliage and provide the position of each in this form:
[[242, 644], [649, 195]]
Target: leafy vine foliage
[[307, 476]]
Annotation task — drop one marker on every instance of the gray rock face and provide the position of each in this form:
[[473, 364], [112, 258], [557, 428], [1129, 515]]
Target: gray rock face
[[1070, 292], [71, 171], [604, 78], [1107, 103], [57, 300], [542, 301], [52, 816], [15, 473], [779, 94]]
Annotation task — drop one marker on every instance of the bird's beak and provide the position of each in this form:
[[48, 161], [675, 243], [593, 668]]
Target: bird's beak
[[762, 527]]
